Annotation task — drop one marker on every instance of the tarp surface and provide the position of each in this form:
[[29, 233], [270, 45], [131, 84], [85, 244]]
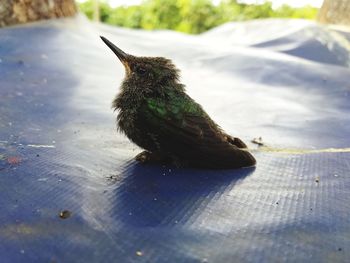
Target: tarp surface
[[286, 81]]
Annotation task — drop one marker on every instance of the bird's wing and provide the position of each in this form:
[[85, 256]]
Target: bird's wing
[[181, 126]]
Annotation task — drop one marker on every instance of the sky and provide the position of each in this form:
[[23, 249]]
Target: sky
[[276, 3]]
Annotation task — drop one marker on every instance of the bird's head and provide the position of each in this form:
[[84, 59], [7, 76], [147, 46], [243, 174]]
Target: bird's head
[[150, 72]]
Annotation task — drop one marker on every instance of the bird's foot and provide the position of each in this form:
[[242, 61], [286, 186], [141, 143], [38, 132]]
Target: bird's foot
[[158, 158], [148, 157]]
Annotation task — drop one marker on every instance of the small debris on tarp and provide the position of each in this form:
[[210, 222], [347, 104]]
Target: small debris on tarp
[[258, 141], [317, 179], [112, 179], [14, 160], [65, 214], [139, 253]]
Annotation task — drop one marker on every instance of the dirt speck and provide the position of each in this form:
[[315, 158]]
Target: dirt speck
[[14, 160], [112, 179], [317, 179], [258, 141], [65, 214]]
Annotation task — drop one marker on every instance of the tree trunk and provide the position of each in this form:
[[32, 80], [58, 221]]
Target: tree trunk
[[96, 15], [22, 11], [335, 12]]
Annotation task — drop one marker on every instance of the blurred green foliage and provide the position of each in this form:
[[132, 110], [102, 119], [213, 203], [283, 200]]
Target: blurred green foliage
[[190, 16]]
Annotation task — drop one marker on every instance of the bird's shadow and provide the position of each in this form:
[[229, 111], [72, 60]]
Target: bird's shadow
[[150, 195]]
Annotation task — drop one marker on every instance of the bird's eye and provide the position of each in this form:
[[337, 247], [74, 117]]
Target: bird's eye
[[141, 71]]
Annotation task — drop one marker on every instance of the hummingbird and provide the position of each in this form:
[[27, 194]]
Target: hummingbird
[[156, 114]]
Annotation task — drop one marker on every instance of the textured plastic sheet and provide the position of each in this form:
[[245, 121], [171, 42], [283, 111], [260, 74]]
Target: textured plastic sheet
[[59, 148]]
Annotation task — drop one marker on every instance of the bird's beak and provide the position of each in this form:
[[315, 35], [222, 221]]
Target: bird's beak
[[123, 57]]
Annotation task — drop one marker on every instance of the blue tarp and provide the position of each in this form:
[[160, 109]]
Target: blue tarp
[[286, 81]]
